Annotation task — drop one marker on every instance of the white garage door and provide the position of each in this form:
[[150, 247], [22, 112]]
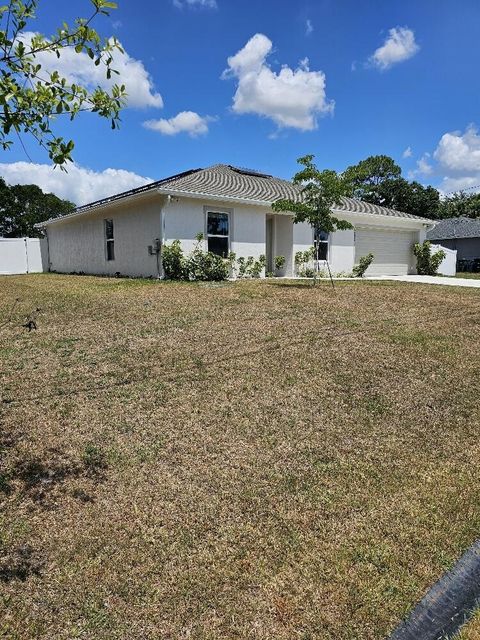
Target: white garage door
[[392, 250]]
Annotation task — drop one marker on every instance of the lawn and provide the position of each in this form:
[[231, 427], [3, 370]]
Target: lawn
[[246, 460]]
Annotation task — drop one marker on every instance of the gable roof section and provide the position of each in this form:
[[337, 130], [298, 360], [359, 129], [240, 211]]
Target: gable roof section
[[227, 181], [452, 228]]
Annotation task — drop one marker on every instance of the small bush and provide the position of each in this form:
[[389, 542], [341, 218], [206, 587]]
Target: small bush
[[205, 265], [279, 262], [427, 263], [303, 260], [363, 264], [249, 267], [198, 265], [173, 261]]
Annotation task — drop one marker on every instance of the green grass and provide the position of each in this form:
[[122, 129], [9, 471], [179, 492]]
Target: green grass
[[463, 274], [252, 460]]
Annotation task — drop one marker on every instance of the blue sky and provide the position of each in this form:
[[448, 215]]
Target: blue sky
[[359, 78]]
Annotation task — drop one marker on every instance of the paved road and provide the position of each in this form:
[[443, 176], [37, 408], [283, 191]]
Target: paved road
[[452, 282]]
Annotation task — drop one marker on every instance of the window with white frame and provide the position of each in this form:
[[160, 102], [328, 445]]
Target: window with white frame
[[109, 240], [321, 244], [218, 233]]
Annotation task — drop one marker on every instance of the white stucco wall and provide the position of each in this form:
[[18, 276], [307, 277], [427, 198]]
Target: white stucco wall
[[78, 244], [184, 218], [341, 248]]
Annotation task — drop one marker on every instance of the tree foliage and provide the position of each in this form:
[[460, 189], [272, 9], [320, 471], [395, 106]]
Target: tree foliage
[[366, 178], [378, 180], [32, 97], [23, 206], [320, 192], [460, 204]]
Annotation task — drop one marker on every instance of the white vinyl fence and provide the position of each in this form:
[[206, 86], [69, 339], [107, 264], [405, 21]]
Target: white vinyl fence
[[23, 255], [448, 266]]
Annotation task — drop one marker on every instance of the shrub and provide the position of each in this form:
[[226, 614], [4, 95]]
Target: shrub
[[427, 263], [205, 265], [173, 261], [302, 260], [279, 262], [363, 264], [198, 265], [251, 267]]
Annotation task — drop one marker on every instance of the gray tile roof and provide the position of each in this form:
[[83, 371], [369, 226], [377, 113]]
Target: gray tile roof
[[233, 182], [225, 180], [451, 228]]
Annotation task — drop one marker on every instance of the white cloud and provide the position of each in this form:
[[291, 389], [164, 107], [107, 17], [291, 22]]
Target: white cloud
[[80, 185], [459, 152], [77, 67], [308, 27], [407, 153], [399, 46], [205, 4], [291, 97], [450, 184], [458, 156], [423, 165], [185, 121]]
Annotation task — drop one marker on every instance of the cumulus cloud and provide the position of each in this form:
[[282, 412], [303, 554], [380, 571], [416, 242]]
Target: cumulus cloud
[[458, 156], [400, 45], [77, 67], [407, 153], [423, 165], [291, 97], [308, 27], [184, 122], [459, 152], [205, 4], [80, 185]]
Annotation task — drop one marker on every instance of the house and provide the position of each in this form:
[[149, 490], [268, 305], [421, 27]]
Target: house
[[462, 234], [232, 207]]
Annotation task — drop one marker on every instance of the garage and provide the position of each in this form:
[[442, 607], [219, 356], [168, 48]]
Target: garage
[[393, 250]]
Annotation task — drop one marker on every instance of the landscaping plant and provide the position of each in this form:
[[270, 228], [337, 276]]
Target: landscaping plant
[[427, 263], [365, 261], [279, 262]]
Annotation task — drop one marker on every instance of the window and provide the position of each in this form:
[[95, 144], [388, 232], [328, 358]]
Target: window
[[218, 226], [109, 241], [321, 244]]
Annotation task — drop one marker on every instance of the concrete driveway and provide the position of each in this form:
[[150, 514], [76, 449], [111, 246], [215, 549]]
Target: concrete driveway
[[451, 282]]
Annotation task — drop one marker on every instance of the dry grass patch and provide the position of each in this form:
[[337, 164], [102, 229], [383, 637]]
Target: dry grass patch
[[245, 460]]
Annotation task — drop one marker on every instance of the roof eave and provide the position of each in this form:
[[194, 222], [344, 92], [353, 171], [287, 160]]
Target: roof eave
[[386, 216]]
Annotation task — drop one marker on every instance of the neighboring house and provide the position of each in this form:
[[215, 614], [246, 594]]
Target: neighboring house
[[232, 207], [462, 234]]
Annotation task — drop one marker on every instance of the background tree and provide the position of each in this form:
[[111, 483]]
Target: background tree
[[378, 180], [460, 204], [32, 97], [320, 191], [366, 178], [411, 197], [22, 206]]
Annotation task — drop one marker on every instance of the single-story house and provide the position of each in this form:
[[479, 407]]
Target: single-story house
[[232, 208], [462, 234]]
